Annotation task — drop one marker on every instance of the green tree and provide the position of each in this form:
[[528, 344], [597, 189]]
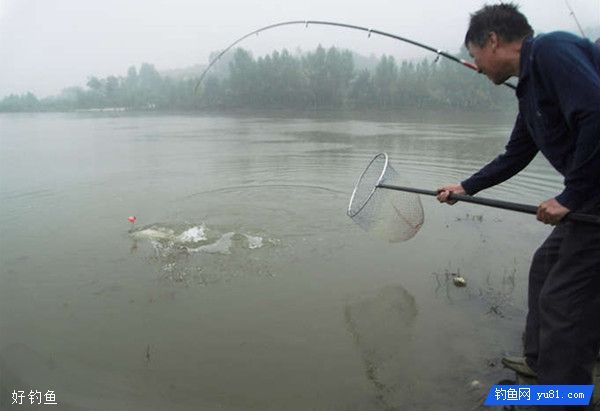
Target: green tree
[[243, 77], [385, 80], [322, 78], [149, 86], [130, 85], [363, 92]]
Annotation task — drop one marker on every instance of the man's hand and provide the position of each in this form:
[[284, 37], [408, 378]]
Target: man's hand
[[445, 191], [551, 212]]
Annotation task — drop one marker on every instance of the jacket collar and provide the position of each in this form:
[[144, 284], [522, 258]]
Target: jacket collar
[[524, 63]]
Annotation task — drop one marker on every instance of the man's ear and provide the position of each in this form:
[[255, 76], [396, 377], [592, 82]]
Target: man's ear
[[494, 40]]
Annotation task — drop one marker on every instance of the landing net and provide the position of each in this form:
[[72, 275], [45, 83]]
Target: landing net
[[390, 214]]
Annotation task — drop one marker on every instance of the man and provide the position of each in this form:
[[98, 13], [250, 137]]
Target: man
[[559, 115]]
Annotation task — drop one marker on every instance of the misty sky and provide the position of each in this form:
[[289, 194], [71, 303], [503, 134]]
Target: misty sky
[[46, 45]]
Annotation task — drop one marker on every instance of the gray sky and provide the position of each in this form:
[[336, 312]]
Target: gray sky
[[46, 45]]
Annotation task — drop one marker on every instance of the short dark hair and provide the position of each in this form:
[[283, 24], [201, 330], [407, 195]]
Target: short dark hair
[[504, 19]]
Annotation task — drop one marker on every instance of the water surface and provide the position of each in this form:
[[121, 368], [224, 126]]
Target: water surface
[[243, 285]]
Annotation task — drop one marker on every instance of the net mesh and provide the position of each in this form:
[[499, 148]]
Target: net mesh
[[390, 214]]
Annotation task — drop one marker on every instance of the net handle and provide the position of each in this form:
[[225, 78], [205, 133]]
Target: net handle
[[505, 205]]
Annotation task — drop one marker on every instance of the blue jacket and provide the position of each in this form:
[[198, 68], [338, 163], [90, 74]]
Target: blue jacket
[[559, 115]]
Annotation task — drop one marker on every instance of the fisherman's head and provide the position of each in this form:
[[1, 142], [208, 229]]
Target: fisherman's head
[[493, 32]]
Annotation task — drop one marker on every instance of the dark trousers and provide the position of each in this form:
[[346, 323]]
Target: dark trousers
[[562, 334]]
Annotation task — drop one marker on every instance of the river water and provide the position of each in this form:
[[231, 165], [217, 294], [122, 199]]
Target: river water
[[243, 285]]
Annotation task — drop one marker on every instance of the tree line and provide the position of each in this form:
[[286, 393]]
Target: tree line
[[319, 79]]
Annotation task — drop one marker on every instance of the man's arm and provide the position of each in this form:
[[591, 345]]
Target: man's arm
[[519, 152], [575, 81]]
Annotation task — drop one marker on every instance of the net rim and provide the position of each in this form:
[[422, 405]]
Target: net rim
[[385, 165]]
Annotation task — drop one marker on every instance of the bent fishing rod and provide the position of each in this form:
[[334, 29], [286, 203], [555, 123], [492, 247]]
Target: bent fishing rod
[[572, 13], [348, 26]]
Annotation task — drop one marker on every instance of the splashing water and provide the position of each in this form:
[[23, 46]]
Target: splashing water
[[192, 235], [166, 238]]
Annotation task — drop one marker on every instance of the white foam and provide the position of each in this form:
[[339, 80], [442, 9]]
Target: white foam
[[165, 240], [192, 235], [221, 246], [254, 242], [160, 233], [168, 268]]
